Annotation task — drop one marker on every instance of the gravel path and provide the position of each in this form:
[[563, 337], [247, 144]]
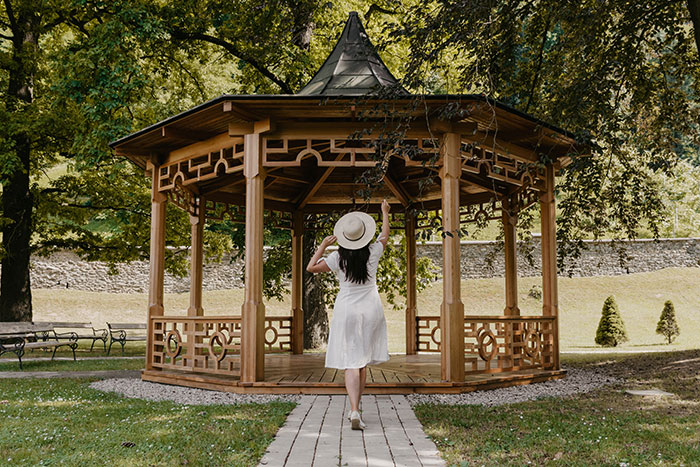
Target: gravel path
[[577, 381], [137, 389]]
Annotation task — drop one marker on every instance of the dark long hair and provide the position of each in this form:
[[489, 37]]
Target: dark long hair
[[354, 263]]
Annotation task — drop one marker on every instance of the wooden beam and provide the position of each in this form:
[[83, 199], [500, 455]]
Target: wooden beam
[[550, 295], [411, 296], [197, 220], [253, 309], [462, 128], [489, 142], [157, 262], [452, 309], [510, 220], [182, 134], [297, 283], [237, 110], [472, 179], [303, 199], [397, 189], [213, 144]]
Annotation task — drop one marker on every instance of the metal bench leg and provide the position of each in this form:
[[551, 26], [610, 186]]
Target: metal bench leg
[[54, 352], [123, 344], [93, 344], [73, 347], [20, 361], [104, 344], [111, 341]]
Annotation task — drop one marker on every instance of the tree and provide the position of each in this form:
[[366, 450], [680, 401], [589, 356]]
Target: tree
[[78, 74], [623, 76], [611, 329], [667, 326]]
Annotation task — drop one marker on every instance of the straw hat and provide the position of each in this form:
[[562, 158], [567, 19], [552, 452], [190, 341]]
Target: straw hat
[[355, 230]]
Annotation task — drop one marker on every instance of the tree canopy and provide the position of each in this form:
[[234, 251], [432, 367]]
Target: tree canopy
[[76, 74]]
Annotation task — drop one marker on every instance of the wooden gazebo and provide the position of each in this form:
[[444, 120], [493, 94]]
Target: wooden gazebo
[[239, 155]]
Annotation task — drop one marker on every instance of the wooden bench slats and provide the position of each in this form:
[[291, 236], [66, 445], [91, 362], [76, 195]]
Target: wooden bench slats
[[15, 337]]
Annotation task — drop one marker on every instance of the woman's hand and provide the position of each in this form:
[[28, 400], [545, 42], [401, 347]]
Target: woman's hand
[[385, 206], [328, 241]]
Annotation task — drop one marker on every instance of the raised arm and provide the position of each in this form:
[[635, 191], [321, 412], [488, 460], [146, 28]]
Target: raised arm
[[384, 236], [314, 265]]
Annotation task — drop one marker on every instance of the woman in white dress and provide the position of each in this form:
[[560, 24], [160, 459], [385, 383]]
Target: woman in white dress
[[357, 335]]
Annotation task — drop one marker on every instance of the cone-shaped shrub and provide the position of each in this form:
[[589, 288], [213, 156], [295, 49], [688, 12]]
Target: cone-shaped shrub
[[611, 329], [667, 326]]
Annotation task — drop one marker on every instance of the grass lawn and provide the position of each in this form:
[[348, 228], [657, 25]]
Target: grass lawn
[[102, 364], [640, 298], [606, 427], [64, 421]]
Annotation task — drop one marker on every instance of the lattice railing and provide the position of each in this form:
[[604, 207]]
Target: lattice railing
[[494, 344], [210, 344]]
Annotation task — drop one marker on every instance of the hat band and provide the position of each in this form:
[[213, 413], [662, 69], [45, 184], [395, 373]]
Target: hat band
[[364, 228]]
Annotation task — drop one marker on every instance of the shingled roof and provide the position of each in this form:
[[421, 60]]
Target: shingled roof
[[353, 68]]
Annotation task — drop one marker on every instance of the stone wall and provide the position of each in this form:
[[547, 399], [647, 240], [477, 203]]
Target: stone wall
[[67, 270]]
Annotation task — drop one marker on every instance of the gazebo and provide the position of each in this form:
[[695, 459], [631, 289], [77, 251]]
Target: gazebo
[[461, 157]]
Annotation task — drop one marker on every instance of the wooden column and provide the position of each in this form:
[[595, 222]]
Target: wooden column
[[157, 260], [297, 283], [253, 310], [196, 257], [452, 310], [411, 298], [510, 220], [550, 298]]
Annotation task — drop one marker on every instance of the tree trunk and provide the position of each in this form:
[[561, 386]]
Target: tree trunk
[[17, 201], [315, 315]]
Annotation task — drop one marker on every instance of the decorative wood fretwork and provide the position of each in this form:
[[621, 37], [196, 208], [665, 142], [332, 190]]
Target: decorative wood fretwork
[[480, 160], [289, 152], [203, 167], [495, 344], [209, 344], [182, 198]]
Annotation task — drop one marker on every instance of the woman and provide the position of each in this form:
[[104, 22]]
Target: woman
[[358, 329]]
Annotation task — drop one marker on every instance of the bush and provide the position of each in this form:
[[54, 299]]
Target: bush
[[667, 326], [535, 292], [611, 329]]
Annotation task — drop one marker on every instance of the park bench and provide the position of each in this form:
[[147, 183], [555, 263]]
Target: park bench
[[80, 329], [118, 333], [17, 337]]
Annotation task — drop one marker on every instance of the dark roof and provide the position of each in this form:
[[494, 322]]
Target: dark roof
[[353, 68]]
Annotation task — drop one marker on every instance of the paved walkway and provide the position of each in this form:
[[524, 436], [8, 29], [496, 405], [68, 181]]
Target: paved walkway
[[71, 374], [317, 433]]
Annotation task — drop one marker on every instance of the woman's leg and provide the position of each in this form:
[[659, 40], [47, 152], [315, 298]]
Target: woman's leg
[[352, 385]]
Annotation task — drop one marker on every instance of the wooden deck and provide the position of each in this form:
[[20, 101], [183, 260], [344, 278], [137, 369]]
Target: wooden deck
[[306, 374]]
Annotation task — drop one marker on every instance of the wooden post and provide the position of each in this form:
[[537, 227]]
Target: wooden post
[[550, 298], [411, 298], [297, 283], [157, 260], [452, 310], [253, 310], [513, 330], [196, 257], [510, 220]]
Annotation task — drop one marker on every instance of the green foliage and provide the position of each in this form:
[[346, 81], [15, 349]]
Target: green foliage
[[623, 76], [611, 329], [668, 326]]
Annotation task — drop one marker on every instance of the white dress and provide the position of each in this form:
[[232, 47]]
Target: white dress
[[357, 336]]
